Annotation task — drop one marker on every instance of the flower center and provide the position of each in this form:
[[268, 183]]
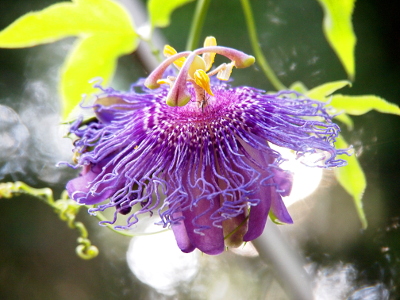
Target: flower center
[[193, 68]]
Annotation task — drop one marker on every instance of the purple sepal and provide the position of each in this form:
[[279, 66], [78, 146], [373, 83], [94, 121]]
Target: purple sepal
[[259, 213], [283, 180], [211, 239], [79, 189], [279, 209], [105, 108]]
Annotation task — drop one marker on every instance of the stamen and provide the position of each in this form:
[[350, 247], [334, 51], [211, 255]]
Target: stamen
[[225, 71], [209, 57], [170, 51], [169, 80], [151, 80], [197, 64], [201, 79], [241, 59], [192, 68]]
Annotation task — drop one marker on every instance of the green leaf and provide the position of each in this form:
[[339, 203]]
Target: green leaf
[[104, 30], [322, 91], [88, 61], [299, 87], [76, 18], [352, 179], [339, 31], [358, 105], [160, 11]]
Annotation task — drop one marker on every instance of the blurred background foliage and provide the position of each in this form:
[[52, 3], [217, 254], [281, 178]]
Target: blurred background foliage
[[37, 256]]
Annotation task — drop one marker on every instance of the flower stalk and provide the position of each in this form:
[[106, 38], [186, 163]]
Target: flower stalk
[[197, 24], [261, 60]]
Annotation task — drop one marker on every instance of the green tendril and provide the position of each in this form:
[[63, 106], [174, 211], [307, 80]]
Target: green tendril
[[197, 24], [66, 209], [255, 44]]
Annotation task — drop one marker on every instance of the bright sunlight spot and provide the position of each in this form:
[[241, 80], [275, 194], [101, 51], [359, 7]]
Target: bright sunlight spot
[[157, 261], [305, 179]]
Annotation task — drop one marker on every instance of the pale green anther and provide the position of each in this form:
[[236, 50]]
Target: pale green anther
[[225, 72]]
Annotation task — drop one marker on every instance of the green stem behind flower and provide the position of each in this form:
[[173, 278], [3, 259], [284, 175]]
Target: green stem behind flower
[[260, 59], [197, 24]]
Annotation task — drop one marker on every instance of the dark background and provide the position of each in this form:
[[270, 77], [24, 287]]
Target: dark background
[[37, 258]]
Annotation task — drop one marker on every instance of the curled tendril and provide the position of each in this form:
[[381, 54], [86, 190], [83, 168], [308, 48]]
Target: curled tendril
[[85, 249], [66, 209]]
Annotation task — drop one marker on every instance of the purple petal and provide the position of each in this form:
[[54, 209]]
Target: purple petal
[[106, 107], [279, 209], [283, 180], [211, 239], [181, 236], [81, 190], [259, 213]]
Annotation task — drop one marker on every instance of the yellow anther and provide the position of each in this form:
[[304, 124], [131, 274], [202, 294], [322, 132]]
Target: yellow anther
[[210, 41], [201, 79], [209, 57], [163, 81], [169, 51], [225, 71], [197, 64], [169, 80]]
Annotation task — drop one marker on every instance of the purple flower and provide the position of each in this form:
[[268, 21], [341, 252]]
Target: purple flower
[[204, 165]]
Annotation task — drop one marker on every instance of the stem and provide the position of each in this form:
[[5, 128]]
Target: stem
[[148, 51], [9, 189], [260, 58], [197, 24], [287, 263]]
